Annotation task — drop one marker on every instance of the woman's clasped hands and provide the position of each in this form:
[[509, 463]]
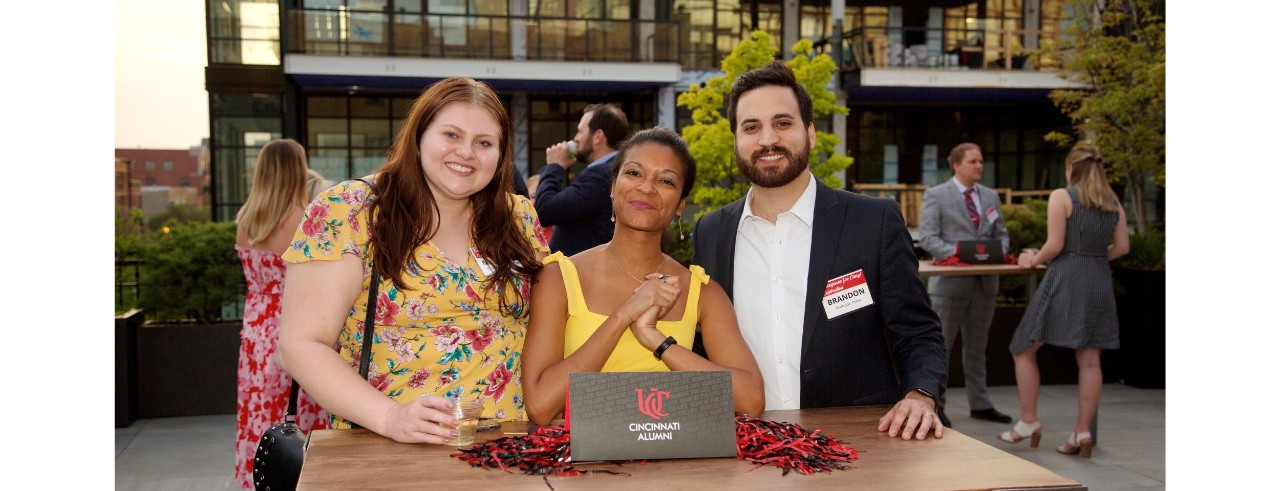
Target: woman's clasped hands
[[650, 302]]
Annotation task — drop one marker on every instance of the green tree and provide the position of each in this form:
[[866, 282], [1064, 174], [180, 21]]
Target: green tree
[[1116, 48], [711, 142], [191, 272], [179, 213]]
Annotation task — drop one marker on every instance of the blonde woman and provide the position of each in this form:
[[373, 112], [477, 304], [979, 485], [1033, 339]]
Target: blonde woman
[[316, 183], [264, 227], [1074, 306]]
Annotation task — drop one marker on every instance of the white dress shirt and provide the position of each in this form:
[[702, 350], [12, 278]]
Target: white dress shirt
[[770, 273]]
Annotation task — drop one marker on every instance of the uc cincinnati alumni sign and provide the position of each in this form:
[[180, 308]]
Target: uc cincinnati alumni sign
[[650, 415]]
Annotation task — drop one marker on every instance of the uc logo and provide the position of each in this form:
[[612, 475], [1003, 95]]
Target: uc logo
[[651, 404], [982, 248]]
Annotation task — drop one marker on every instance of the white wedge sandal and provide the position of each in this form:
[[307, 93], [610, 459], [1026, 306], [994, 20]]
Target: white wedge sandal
[[1022, 431]]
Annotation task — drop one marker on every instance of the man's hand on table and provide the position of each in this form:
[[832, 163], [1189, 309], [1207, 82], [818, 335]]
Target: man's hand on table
[[912, 416]]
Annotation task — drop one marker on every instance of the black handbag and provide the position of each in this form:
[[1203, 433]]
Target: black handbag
[[278, 460]]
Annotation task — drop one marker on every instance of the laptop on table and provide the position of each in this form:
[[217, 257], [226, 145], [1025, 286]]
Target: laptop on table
[[989, 251]]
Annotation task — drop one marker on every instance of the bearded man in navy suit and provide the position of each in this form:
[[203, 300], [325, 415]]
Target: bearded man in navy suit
[[824, 282]]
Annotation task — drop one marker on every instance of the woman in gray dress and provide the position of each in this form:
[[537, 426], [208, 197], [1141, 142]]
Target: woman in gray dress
[[1075, 306]]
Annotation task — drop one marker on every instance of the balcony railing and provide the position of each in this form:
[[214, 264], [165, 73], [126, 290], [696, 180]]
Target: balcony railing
[[911, 196], [969, 49], [376, 33]]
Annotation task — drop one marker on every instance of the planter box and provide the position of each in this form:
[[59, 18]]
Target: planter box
[[1141, 308], [187, 369], [127, 325]]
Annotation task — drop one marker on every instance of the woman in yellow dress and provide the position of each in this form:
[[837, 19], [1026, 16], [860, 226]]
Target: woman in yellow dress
[[624, 306], [455, 250]]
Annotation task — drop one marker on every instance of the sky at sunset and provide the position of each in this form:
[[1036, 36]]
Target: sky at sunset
[[159, 74]]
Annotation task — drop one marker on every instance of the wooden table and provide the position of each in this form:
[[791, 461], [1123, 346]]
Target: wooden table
[[359, 459], [927, 268]]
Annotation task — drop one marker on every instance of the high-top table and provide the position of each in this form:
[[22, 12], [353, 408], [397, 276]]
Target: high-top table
[[927, 268], [360, 459]]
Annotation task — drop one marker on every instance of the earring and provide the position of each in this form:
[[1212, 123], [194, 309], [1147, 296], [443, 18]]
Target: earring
[[611, 217], [680, 226]]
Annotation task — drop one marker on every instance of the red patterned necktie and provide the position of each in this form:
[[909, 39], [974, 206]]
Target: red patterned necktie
[[968, 204]]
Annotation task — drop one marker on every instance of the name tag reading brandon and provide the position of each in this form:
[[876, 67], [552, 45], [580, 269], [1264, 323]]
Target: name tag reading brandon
[[650, 415], [846, 294]]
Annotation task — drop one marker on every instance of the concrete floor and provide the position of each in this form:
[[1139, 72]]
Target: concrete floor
[[197, 453]]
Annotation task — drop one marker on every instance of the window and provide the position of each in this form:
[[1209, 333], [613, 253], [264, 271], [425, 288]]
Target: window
[[168, 165], [241, 124], [244, 32], [1011, 140], [151, 165], [349, 136], [714, 27]]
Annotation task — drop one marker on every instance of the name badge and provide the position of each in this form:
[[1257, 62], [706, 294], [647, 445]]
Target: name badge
[[992, 214], [846, 294], [485, 267]]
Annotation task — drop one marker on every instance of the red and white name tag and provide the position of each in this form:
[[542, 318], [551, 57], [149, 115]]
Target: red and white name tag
[[485, 266], [992, 214], [846, 294]]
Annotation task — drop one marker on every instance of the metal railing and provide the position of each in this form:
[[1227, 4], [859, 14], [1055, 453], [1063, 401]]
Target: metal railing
[[128, 281], [376, 33], [936, 48], [910, 196]]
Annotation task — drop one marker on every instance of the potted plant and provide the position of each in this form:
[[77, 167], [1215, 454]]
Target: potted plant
[[188, 350], [1139, 279]]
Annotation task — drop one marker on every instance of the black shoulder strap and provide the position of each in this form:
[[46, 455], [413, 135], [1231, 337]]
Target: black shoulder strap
[[371, 306], [291, 412], [366, 347]]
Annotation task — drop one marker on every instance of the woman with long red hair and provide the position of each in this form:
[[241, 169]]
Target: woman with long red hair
[[456, 251]]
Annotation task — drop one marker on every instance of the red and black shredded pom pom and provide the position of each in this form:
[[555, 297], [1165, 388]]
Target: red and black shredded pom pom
[[790, 447], [787, 445], [544, 452]]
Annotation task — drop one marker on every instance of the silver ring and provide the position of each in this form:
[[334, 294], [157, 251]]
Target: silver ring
[[928, 413]]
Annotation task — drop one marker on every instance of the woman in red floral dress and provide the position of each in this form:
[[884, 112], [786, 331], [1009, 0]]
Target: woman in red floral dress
[[264, 226]]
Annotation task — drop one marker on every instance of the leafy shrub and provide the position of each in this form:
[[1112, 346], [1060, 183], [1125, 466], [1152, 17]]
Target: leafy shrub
[[1028, 224], [190, 272], [179, 213], [1146, 251]]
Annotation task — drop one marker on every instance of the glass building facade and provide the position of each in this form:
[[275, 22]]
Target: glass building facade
[[339, 75]]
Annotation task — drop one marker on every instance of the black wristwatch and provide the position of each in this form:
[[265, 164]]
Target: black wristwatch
[[662, 348], [922, 392]]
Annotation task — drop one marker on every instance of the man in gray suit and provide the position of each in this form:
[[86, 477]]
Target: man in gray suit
[[963, 209]]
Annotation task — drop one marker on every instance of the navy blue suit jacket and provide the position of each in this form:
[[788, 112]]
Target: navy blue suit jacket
[[580, 212], [873, 355]]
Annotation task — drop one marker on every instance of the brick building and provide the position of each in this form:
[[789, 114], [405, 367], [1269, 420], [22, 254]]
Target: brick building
[[160, 177]]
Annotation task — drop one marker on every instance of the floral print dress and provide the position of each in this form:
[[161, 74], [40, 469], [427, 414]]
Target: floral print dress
[[262, 388], [441, 336]]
